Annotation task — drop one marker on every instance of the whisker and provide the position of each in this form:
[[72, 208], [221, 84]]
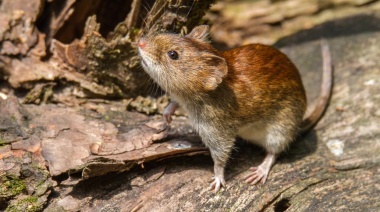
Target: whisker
[[190, 8], [146, 7]]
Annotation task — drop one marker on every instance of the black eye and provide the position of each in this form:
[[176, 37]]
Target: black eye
[[173, 55]]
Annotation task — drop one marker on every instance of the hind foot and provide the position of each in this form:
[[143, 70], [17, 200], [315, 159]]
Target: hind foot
[[260, 173]]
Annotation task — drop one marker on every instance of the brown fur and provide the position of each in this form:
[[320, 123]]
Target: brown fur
[[253, 91]]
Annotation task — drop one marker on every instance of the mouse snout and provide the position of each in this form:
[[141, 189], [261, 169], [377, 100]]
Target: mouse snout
[[142, 43]]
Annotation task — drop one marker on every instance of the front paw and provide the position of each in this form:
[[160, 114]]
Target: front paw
[[167, 117], [217, 183]]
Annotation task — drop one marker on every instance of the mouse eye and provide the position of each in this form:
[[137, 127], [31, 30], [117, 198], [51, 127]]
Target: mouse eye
[[173, 55]]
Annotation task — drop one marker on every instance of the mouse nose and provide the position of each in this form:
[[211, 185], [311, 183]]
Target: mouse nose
[[142, 43]]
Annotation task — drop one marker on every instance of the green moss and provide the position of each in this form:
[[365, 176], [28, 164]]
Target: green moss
[[41, 187], [11, 186], [30, 203]]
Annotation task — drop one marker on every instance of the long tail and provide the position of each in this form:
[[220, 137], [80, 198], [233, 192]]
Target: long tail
[[325, 92]]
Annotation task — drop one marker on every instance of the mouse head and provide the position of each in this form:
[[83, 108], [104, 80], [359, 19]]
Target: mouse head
[[183, 65]]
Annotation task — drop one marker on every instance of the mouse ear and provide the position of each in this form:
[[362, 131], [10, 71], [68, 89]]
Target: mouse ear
[[200, 33], [217, 69]]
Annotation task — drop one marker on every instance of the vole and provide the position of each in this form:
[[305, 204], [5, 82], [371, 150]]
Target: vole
[[254, 92]]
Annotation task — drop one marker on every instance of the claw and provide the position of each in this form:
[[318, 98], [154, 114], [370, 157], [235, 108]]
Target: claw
[[217, 184], [165, 127]]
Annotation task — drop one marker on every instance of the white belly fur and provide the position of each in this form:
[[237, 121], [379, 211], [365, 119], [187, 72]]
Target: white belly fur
[[254, 133], [273, 137]]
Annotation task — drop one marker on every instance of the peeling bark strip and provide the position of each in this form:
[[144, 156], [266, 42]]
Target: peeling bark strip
[[67, 139]]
